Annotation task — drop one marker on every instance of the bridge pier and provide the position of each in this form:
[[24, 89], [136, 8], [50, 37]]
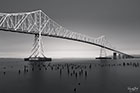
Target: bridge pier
[[37, 50], [126, 56], [119, 56], [114, 55]]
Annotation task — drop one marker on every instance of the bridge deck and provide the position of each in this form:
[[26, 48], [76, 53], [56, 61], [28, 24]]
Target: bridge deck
[[67, 39]]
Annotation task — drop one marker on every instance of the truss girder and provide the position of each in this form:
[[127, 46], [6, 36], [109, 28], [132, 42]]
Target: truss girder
[[37, 21]]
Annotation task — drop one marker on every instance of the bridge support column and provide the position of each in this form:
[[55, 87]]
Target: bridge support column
[[114, 55], [103, 52], [123, 56], [119, 56], [37, 50]]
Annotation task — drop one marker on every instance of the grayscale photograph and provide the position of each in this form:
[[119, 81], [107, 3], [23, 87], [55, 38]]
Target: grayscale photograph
[[69, 46]]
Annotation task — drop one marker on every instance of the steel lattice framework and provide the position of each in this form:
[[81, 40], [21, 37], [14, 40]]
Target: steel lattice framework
[[39, 24]]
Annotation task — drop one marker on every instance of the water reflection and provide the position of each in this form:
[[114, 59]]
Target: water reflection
[[68, 77]]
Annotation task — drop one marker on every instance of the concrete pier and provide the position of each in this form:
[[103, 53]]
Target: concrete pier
[[114, 55]]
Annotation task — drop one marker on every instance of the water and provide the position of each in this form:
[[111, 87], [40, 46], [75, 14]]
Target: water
[[69, 76]]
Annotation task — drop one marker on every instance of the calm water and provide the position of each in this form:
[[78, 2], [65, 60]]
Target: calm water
[[69, 76]]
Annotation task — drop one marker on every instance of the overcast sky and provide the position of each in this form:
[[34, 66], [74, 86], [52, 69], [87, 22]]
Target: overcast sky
[[118, 20]]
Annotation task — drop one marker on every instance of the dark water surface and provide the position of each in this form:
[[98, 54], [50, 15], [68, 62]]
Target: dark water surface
[[69, 76]]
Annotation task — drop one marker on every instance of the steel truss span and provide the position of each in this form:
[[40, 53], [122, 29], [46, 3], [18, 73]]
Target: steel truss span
[[39, 24]]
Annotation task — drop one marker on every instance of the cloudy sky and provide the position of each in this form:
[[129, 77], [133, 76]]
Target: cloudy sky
[[118, 20]]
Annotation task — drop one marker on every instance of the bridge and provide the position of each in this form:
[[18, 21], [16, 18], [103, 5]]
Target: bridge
[[39, 24]]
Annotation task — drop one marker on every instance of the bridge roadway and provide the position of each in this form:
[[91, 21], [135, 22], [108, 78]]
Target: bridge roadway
[[68, 38]]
